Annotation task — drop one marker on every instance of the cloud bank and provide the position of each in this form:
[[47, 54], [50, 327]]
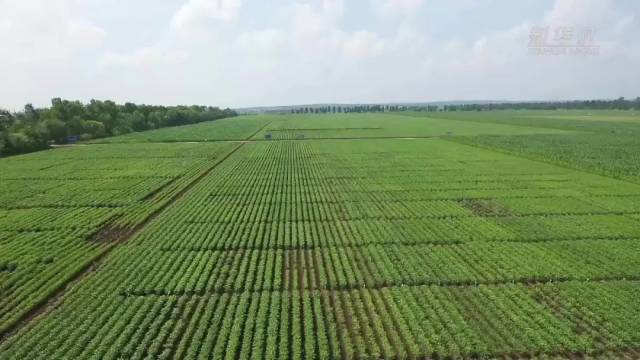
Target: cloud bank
[[243, 53]]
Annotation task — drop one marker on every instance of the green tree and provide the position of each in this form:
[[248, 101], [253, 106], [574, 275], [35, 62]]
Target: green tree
[[6, 119], [156, 119], [94, 129], [66, 110], [55, 130], [135, 120], [21, 142]]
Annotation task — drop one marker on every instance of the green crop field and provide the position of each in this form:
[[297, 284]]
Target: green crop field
[[604, 142], [342, 236], [375, 125], [224, 129]]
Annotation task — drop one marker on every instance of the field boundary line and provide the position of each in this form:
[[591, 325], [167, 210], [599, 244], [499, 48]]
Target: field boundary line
[[524, 282], [407, 243], [259, 130], [250, 140], [118, 237], [557, 214]]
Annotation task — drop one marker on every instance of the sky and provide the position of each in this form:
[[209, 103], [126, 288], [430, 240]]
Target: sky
[[242, 53]]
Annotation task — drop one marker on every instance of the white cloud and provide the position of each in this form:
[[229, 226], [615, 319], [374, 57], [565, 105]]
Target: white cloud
[[143, 58], [43, 45], [308, 21], [396, 7], [333, 8], [195, 26], [267, 41], [498, 66], [362, 45], [580, 13], [316, 33], [305, 51], [195, 13], [44, 30]]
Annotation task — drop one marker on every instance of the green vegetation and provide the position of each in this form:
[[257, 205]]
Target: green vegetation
[[69, 121], [550, 106], [224, 129], [361, 248], [375, 125], [604, 142], [62, 209]]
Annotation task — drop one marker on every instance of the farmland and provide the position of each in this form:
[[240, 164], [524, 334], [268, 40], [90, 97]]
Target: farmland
[[604, 142], [225, 129], [356, 236], [384, 126]]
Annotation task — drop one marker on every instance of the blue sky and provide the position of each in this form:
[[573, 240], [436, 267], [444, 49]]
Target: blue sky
[[241, 53]]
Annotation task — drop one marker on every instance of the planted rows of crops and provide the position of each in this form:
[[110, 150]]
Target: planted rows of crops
[[380, 125], [334, 249], [61, 209], [239, 128], [604, 142]]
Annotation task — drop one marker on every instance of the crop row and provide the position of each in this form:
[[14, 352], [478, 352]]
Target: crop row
[[611, 153], [43, 261], [49, 226], [406, 322], [240, 128], [203, 272], [271, 267]]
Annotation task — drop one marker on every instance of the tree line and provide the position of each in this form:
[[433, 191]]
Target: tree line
[[346, 109], [617, 104], [33, 129]]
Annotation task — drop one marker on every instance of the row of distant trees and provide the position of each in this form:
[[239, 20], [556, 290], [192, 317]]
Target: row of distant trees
[[36, 128], [617, 104], [351, 109]]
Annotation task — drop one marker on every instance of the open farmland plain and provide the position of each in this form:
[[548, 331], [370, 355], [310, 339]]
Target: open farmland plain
[[361, 236], [605, 142]]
